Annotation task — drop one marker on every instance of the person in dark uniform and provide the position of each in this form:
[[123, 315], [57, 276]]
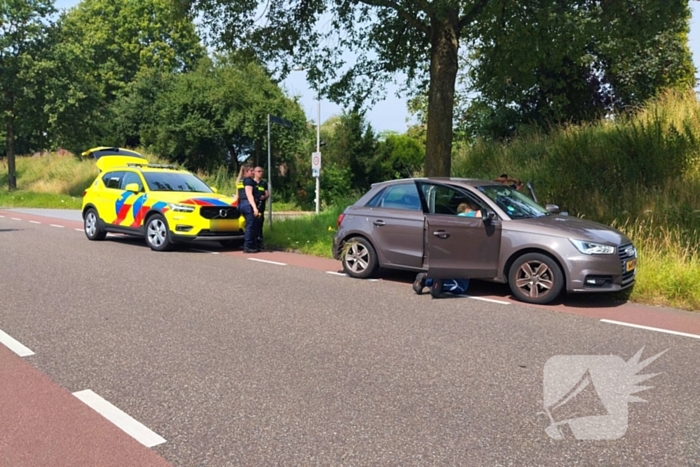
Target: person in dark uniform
[[261, 196], [249, 209]]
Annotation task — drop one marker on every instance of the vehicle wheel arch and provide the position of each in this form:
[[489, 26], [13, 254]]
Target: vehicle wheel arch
[[509, 263], [88, 207], [351, 235]]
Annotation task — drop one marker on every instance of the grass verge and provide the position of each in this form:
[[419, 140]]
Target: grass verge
[[311, 234], [28, 199]]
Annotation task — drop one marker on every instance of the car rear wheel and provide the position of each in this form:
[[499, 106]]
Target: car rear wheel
[[359, 258], [157, 235], [91, 222], [536, 278]]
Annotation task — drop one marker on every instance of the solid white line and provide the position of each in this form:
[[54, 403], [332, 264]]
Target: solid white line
[[489, 300], [2, 216], [337, 273], [34, 222], [15, 218], [14, 345], [676, 333], [206, 251], [56, 225], [78, 230], [122, 420], [267, 261]]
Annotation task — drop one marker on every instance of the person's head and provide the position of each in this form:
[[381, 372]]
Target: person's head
[[258, 173], [463, 207]]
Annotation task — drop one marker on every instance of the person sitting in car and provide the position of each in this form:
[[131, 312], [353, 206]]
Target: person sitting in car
[[468, 209]]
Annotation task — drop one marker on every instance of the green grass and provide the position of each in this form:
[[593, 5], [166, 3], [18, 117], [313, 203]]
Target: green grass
[[311, 234], [27, 199]]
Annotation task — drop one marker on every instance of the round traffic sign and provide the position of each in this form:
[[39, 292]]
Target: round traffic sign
[[316, 161]]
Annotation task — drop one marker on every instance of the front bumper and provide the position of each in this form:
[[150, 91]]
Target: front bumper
[[603, 273]]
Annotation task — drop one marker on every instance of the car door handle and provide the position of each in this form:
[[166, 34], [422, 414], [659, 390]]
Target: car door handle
[[441, 234], [379, 223]]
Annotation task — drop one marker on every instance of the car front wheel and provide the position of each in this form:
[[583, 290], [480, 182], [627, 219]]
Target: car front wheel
[[157, 235], [359, 258], [91, 222], [536, 278]]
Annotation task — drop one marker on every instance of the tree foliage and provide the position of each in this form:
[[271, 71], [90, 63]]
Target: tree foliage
[[418, 38], [24, 26], [546, 62]]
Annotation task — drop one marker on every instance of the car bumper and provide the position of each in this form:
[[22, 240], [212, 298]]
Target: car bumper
[[604, 273]]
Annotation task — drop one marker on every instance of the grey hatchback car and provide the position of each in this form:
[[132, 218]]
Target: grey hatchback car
[[414, 224]]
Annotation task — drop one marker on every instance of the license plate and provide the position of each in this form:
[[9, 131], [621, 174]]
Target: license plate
[[219, 225], [631, 264]]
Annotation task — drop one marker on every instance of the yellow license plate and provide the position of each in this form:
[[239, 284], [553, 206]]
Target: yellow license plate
[[631, 264]]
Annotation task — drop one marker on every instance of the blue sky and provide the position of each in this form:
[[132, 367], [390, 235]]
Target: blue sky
[[391, 113]]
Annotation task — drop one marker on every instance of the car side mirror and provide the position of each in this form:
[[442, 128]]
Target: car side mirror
[[553, 208], [133, 187], [488, 216]]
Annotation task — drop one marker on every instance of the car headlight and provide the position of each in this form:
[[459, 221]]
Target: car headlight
[[590, 248], [181, 207]]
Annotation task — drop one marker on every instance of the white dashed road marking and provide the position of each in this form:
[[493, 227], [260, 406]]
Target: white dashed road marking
[[132, 427], [267, 261], [676, 333], [205, 251], [337, 273], [78, 230], [15, 218], [34, 222], [14, 345], [489, 300], [56, 225]]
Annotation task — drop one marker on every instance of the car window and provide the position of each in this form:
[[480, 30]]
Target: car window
[[517, 205], [131, 177], [175, 181], [404, 196], [113, 179], [374, 202], [446, 200]]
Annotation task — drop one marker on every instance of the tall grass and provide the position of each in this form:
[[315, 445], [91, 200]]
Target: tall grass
[[641, 173]]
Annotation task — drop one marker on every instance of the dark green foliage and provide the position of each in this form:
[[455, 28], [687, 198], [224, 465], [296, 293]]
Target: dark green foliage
[[547, 62]]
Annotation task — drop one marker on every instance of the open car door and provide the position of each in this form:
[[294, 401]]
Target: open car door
[[456, 246]]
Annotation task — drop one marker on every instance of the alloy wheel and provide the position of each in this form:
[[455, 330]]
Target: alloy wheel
[[534, 279], [90, 224], [156, 232], [357, 258]]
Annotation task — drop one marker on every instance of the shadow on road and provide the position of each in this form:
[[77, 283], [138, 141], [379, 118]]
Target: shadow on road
[[479, 288]]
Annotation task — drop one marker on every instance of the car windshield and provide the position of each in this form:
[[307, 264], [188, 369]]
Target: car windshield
[[173, 181], [514, 203]]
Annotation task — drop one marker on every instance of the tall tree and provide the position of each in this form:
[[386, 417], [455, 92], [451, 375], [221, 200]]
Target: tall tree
[[420, 38], [23, 28]]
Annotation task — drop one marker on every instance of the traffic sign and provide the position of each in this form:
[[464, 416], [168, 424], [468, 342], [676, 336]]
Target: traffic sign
[[315, 172], [315, 163]]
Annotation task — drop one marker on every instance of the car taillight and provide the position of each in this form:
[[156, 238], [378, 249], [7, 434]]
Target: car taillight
[[340, 219]]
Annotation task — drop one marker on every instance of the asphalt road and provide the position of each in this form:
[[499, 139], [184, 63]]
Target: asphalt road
[[239, 362]]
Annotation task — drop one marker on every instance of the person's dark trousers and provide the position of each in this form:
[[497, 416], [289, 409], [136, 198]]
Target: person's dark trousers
[[249, 238], [259, 222]]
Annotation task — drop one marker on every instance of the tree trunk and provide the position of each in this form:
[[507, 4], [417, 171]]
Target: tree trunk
[[10, 152], [444, 44]]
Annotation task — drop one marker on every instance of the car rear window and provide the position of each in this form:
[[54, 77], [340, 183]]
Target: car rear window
[[173, 181]]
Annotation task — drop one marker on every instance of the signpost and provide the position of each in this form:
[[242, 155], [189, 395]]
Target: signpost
[[316, 172]]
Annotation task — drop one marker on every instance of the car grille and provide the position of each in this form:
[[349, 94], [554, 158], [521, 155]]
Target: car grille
[[622, 250], [215, 212], [209, 233]]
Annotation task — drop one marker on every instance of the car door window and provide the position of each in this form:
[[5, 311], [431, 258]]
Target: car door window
[[446, 200], [404, 196], [131, 177], [113, 179]]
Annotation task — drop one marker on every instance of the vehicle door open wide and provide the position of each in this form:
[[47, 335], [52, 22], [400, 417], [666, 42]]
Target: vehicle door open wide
[[459, 246]]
